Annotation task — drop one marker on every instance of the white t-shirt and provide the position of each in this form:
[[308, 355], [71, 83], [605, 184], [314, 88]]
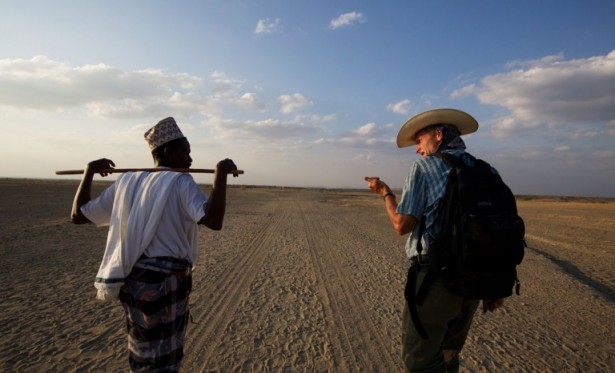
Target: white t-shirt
[[177, 233]]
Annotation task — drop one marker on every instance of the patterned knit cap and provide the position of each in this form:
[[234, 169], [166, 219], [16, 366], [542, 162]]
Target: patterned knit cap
[[166, 130]]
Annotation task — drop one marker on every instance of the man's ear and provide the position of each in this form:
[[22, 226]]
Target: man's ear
[[168, 155], [439, 134], [168, 152]]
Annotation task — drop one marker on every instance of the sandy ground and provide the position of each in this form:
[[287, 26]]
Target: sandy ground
[[301, 280]]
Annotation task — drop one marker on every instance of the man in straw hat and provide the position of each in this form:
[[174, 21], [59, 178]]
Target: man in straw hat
[[152, 243], [446, 317]]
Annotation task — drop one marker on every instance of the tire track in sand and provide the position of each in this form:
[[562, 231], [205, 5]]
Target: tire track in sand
[[223, 296], [348, 316]]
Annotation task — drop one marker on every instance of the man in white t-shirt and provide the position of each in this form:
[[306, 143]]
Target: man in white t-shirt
[[152, 243]]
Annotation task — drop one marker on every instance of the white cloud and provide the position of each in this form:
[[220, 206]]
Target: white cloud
[[223, 85], [402, 107], [347, 19], [250, 100], [552, 92], [323, 118], [545, 61], [604, 154], [366, 129], [43, 84], [467, 90], [505, 126], [226, 91], [270, 128], [267, 26], [367, 135], [292, 103]]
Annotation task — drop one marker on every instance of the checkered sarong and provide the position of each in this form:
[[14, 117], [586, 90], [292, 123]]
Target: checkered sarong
[[155, 301]]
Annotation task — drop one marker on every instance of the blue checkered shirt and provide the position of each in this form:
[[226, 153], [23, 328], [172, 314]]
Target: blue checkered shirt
[[422, 197]]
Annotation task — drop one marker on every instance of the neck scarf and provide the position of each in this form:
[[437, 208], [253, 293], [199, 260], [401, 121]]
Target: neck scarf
[[451, 139]]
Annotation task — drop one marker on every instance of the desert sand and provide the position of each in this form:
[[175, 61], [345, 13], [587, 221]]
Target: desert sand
[[301, 280]]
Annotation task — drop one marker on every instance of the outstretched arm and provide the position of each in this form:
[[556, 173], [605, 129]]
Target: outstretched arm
[[216, 204], [403, 224], [84, 192]]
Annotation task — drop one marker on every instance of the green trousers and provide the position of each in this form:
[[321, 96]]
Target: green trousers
[[447, 319]]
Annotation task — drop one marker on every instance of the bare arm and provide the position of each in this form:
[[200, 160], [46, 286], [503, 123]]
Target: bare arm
[[490, 305], [403, 224], [216, 204], [84, 191]]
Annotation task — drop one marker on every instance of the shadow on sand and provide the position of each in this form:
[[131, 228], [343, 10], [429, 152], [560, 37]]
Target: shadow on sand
[[603, 290]]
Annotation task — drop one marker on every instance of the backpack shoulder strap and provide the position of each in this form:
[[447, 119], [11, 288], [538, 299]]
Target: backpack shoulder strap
[[454, 160], [458, 163], [410, 295], [416, 297]]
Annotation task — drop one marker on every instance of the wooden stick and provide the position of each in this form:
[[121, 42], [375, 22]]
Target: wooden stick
[[120, 170]]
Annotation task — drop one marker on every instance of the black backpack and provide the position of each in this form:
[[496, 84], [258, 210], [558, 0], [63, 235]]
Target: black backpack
[[482, 238]]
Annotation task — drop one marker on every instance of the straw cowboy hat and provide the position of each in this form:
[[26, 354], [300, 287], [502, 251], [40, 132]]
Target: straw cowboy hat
[[464, 122]]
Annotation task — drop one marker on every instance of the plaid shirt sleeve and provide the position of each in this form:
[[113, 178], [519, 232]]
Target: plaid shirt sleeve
[[423, 189], [414, 194]]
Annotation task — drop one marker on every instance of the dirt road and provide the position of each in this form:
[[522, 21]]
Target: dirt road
[[301, 280]]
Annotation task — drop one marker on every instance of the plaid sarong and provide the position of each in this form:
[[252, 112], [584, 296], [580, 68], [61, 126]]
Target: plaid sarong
[[155, 301]]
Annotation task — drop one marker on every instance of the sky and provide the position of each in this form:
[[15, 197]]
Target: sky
[[311, 93]]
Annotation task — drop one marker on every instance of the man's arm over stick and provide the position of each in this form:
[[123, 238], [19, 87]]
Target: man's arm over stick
[[84, 192], [216, 204], [122, 170]]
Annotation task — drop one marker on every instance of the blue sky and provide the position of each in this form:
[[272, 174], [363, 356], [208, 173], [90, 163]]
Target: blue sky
[[311, 93]]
